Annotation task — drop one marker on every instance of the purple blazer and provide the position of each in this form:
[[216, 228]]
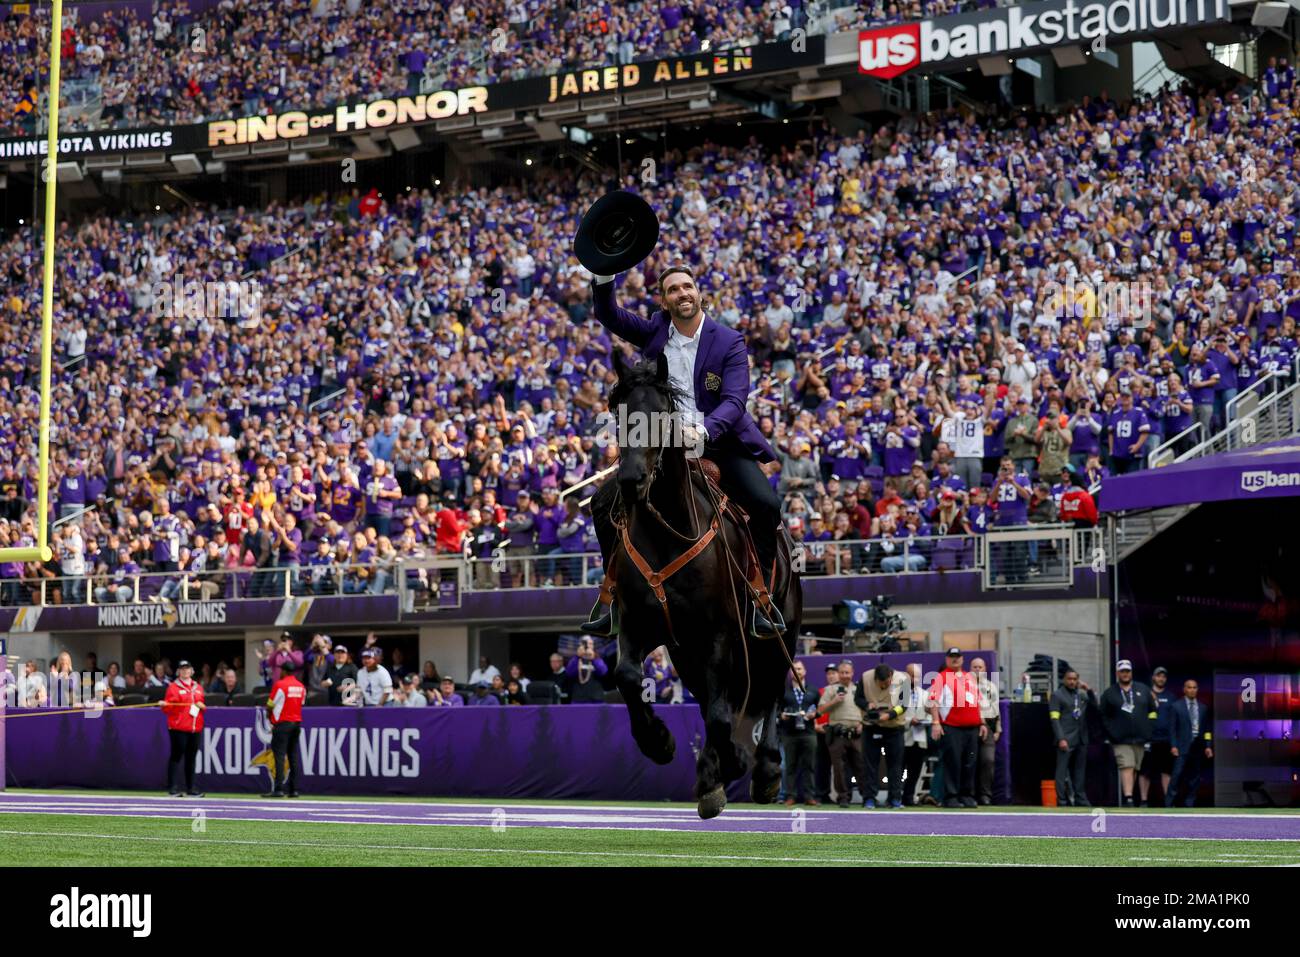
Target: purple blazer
[[721, 368]]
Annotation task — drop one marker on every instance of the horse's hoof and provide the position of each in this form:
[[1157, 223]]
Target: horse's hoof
[[712, 804]]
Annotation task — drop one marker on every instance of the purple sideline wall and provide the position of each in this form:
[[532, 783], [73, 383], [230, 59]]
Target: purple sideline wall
[[571, 751]]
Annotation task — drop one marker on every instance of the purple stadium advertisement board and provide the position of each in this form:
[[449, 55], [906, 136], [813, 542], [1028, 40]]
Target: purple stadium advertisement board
[[571, 751]]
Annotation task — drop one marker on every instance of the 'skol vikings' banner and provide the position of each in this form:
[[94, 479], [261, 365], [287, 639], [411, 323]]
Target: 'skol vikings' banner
[[560, 751], [570, 751], [398, 111], [1023, 30]]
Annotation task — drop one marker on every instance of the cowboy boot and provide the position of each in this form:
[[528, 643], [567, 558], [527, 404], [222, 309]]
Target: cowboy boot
[[603, 624]]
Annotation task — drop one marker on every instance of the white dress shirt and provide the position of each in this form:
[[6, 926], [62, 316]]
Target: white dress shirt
[[681, 351]]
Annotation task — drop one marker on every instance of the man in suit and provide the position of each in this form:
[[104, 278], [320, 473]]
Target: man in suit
[[1189, 744], [708, 365], [1069, 716]]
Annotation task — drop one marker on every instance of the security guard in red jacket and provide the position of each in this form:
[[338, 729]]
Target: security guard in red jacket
[[184, 705], [285, 710], [957, 727]]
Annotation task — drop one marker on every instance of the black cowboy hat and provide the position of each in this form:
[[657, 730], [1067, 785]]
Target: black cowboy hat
[[617, 232]]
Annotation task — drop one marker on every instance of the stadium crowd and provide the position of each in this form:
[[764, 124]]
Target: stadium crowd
[[194, 61], [932, 352], [370, 675]]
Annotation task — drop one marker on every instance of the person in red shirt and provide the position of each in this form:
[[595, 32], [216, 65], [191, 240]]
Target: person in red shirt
[[1077, 505], [284, 708], [954, 706], [184, 706], [890, 497], [237, 514], [451, 526]]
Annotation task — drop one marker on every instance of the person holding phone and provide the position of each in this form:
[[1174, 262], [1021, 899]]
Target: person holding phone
[[586, 670]]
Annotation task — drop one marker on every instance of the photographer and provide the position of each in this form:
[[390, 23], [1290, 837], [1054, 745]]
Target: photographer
[[284, 651], [798, 739], [585, 671], [843, 728], [318, 662], [880, 697]]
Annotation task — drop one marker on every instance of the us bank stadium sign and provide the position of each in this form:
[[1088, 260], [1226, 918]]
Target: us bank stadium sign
[[1024, 30], [161, 615], [290, 125]]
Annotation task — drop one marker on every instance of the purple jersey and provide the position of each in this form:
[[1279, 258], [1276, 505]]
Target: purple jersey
[[548, 522], [1125, 428], [1013, 508], [344, 503], [166, 539], [297, 502], [381, 506], [899, 452]]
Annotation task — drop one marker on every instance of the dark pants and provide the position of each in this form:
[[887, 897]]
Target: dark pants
[[284, 745], [846, 760], [185, 750], [1186, 776], [959, 747], [913, 760], [1071, 767], [822, 771], [743, 482], [985, 762], [891, 741], [800, 752]]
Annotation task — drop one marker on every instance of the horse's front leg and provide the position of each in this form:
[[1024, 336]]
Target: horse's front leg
[[720, 760], [648, 729]]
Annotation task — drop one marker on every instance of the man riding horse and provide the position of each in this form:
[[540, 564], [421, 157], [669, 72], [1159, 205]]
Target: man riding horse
[[708, 367]]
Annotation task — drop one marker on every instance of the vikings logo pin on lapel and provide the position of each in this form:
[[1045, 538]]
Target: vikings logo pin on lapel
[[712, 381]]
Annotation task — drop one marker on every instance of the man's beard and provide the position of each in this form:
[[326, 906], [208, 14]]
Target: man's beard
[[685, 310]]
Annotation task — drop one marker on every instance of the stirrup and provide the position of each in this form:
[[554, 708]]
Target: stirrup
[[763, 626]]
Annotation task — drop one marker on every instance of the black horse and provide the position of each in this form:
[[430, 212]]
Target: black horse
[[664, 509]]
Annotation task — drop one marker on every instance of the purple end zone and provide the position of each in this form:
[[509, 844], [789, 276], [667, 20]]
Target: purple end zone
[[992, 824]]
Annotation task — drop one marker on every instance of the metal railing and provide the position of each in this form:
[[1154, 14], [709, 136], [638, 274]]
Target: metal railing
[[1265, 411], [439, 581], [313, 406], [223, 584]]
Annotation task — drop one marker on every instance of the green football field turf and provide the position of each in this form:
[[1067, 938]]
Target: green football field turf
[[95, 840]]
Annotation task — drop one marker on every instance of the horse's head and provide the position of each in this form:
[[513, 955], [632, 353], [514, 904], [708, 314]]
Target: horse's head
[[644, 405]]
